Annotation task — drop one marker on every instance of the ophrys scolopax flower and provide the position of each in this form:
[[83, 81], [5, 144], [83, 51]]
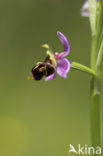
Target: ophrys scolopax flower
[[54, 63]]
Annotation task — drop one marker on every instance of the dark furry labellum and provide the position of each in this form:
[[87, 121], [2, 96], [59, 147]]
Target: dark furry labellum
[[42, 69], [38, 71], [50, 69]]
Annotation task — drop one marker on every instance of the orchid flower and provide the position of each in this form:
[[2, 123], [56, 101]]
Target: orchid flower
[[55, 63], [85, 9]]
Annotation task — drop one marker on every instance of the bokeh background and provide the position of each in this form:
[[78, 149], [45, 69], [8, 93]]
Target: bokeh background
[[42, 118]]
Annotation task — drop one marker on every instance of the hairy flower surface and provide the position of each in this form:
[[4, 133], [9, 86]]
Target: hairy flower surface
[[54, 63], [85, 9]]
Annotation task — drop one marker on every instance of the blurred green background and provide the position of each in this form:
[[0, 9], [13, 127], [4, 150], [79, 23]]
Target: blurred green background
[[42, 118]]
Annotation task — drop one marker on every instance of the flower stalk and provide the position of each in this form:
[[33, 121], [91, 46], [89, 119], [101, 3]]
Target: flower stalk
[[82, 68]]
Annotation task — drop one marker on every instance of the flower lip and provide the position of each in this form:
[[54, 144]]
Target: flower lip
[[38, 71], [42, 69], [50, 69], [65, 43]]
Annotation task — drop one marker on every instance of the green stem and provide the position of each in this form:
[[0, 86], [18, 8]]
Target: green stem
[[99, 60], [94, 110], [95, 103], [95, 96], [94, 47], [95, 81], [99, 17], [82, 68], [96, 34]]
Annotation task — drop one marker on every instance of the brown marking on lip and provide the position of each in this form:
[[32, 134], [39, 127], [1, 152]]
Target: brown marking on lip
[[41, 69]]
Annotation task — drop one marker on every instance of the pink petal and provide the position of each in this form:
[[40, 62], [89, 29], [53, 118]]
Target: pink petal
[[65, 43], [63, 67], [51, 77], [85, 9]]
